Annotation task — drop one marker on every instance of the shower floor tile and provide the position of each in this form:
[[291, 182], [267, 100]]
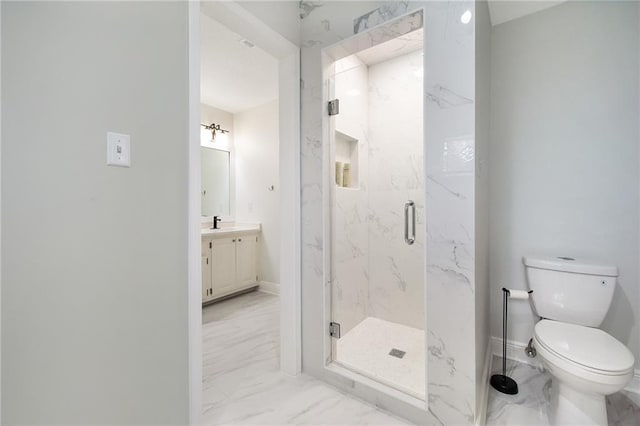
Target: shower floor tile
[[366, 349]]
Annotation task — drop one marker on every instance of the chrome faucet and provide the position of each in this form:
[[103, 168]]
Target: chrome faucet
[[215, 221]]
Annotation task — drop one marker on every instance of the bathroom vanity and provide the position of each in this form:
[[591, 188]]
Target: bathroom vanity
[[229, 260]]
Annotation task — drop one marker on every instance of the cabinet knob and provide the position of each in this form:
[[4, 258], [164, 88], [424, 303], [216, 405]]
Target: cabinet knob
[[240, 239]]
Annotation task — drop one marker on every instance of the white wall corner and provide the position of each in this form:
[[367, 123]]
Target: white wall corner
[[634, 385], [290, 214]]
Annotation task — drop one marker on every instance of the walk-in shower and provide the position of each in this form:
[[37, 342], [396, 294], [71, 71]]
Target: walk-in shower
[[375, 184]]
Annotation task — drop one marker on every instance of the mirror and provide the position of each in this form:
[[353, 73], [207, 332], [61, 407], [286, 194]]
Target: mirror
[[214, 193]]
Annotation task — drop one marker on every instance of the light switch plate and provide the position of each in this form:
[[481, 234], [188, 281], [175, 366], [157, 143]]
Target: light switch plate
[[118, 150]]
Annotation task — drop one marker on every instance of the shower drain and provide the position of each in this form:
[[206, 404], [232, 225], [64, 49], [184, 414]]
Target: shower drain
[[397, 353]]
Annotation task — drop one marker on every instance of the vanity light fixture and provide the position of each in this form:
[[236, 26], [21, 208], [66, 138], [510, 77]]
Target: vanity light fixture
[[213, 127]]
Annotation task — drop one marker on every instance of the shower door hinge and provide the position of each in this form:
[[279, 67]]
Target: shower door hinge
[[334, 329], [334, 107]]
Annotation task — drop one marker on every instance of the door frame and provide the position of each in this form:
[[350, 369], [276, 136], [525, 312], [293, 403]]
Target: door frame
[[239, 20]]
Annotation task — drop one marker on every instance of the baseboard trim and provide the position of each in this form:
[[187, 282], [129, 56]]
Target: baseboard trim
[[634, 385], [515, 351], [268, 287], [481, 418]]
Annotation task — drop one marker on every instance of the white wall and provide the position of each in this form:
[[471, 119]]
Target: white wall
[[94, 265], [257, 168], [482, 119], [564, 151]]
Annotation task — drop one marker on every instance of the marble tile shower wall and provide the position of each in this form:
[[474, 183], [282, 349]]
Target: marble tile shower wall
[[375, 273], [449, 204]]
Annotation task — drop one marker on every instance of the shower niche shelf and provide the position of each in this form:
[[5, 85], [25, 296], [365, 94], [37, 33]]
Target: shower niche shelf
[[346, 153]]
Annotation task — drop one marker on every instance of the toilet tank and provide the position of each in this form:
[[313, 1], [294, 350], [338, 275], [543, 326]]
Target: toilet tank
[[570, 290]]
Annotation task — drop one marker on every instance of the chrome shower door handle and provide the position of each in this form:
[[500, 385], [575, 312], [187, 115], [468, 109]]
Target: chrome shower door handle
[[410, 239]]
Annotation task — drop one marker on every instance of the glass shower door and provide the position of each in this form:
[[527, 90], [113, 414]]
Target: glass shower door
[[377, 214]]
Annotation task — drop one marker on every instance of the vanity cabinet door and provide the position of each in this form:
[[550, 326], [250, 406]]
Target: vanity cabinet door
[[207, 291], [223, 260], [206, 278], [247, 256]]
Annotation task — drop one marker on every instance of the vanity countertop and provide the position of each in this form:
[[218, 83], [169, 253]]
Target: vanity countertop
[[228, 230]]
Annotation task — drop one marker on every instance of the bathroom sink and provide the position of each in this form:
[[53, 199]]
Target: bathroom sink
[[220, 230], [237, 229]]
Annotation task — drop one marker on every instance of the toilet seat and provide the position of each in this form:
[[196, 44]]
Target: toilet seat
[[588, 349]]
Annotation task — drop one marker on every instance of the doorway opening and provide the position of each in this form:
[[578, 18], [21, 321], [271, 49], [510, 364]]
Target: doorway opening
[[240, 210], [244, 182]]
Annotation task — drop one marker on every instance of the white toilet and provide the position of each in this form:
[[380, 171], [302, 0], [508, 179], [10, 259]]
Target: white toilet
[[572, 298]]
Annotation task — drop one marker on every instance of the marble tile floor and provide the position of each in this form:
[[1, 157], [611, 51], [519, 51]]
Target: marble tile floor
[[529, 406], [366, 349], [242, 383]]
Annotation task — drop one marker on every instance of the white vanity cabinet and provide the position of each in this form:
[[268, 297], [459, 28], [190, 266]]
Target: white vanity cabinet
[[229, 263]]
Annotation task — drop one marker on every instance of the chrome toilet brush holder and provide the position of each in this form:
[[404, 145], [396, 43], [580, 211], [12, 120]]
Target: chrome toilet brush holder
[[502, 382]]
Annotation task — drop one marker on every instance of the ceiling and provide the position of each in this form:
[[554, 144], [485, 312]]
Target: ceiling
[[234, 77], [502, 11], [390, 49]]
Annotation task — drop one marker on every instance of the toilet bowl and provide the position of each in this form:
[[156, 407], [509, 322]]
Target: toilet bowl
[[586, 364]]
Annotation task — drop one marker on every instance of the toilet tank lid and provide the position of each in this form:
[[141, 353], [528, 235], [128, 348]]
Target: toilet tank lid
[[570, 264]]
